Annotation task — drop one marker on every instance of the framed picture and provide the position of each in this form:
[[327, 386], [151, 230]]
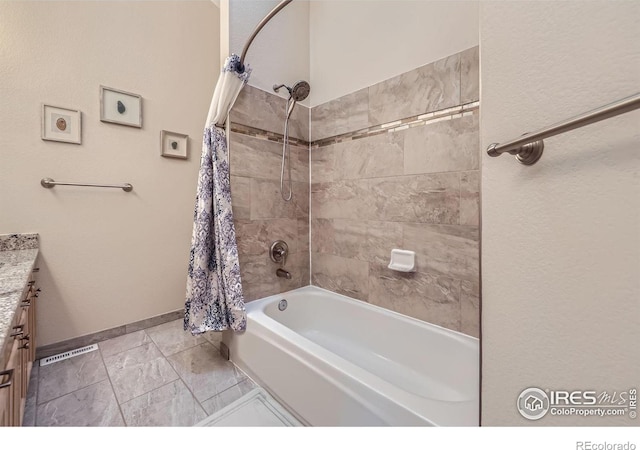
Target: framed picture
[[61, 124], [123, 108], [174, 145]]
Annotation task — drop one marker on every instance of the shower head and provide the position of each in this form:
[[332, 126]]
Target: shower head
[[297, 93], [300, 91]]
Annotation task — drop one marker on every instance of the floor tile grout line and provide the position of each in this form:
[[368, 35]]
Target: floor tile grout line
[[165, 385], [71, 392], [74, 391], [230, 387], [146, 392], [113, 390], [209, 398], [126, 350]]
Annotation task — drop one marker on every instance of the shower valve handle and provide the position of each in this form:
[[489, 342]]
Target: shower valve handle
[[278, 252]]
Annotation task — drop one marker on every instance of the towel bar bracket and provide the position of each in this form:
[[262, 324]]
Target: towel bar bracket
[[527, 154]]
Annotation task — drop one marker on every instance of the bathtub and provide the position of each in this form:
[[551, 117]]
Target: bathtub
[[335, 361]]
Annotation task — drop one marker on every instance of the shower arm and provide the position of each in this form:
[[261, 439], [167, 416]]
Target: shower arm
[[263, 22]]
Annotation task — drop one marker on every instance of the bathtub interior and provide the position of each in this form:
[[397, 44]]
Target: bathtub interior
[[420, 358]]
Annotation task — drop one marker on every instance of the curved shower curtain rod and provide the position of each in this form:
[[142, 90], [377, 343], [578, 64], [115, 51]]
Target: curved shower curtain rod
[[263, 22]]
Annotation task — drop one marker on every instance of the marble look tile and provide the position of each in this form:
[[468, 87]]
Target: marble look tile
[[342, 237], [303, 234], [301, 200], [428, 88], [137, 371], [451, 251], [323, 161], [299, 164], [153, 321], [171, 337], [299, 122], [169, 405], [339, 116], [322, 236], [470, 75], [348, 199], [30, 407], [204, 371], [94, 405], [445, 146], [382, 237], [254, 237], [470, 198], [125, 342], [428, 297], [349, 277], [266, 111], [305, 268], [259, 158], [362, 240], [228, 396], [253, 157], [376, 156], [62, 377], [470, 308], [259, 278], [431, 198], [266, 202], [241, 197]]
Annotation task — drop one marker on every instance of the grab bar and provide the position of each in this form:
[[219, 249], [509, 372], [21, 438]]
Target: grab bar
[[528, 148], [49, 183]]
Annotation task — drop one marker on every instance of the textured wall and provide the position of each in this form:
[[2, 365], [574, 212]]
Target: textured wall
[[108, 258], [261, 216], [415, 188], [561, 239]]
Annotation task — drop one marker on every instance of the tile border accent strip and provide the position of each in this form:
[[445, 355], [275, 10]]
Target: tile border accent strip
[[389, 127], [94, 338], [265, 135], [402, 124]]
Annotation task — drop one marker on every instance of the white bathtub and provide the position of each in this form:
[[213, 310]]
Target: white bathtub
[[334, 361]]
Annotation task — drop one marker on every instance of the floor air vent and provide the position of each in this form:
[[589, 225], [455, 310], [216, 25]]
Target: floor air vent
[[67, 355]]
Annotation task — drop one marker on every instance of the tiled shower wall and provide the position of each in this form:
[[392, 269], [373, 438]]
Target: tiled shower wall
[[406, 179], [261, 216]]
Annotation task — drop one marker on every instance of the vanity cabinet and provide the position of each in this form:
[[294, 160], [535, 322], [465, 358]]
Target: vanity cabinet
[[19, 356]]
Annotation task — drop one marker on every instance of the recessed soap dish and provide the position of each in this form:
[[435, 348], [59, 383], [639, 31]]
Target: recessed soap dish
[[403, 260]]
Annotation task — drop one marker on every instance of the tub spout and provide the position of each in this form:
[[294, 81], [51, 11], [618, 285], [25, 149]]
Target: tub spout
[[283, 274]]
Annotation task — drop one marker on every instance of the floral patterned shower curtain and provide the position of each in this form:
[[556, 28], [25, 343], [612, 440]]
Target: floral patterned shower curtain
[[214, 289]]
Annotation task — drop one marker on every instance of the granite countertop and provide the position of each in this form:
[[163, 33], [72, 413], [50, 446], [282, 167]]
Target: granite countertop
[[18, 255]]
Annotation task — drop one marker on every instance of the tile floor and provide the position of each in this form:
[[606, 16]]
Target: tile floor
[[161, 376]]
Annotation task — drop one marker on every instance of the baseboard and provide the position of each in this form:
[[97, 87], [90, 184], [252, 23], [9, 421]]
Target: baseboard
[[94, 338]]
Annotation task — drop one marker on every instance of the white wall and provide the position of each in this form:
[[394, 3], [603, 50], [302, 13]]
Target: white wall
[[355, 44], [107, 257], [561, 239], [280, 52]]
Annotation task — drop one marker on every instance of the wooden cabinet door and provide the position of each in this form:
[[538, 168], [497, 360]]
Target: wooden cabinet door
[[7, 383], [11, 392]]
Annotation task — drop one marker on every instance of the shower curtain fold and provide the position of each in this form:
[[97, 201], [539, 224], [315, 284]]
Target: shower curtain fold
[[214, 299]]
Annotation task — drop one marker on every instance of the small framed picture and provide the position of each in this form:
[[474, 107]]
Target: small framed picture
[[123, 108], [174, 145], [61, 124]]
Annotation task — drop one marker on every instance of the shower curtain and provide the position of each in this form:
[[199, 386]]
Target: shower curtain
[[214, 289]]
